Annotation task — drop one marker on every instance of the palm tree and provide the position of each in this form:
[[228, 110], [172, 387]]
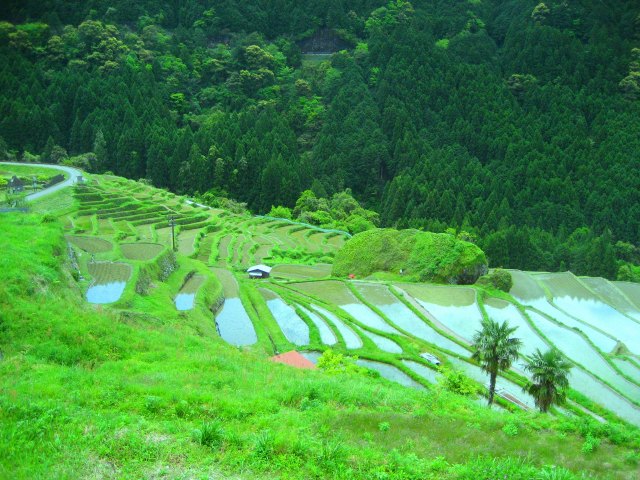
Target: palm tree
[[495, 350], [549, 382]]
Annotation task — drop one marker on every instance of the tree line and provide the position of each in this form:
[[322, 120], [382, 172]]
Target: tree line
[[512, 123]]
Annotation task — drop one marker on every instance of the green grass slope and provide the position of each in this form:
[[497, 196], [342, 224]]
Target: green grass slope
[[422, 256], [141, 390]]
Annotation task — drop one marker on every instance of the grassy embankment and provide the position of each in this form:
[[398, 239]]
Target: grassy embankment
[[140, 390]]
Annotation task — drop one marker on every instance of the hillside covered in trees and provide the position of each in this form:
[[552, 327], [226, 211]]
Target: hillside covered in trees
[[514, 122]]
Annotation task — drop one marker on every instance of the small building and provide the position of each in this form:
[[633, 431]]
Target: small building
[[431, 358], [293, 359], [259, 271], [16, 185]]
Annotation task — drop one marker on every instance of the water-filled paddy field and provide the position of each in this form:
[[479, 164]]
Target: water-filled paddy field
[[109, 281], [454, 307], [390, 373], [402, 316], [185, 299], [293, 327], [232, 321], [351, 339]]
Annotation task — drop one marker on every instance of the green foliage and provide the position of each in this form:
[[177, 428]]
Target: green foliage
[[418, 256], [495, 350], [549, 378], [456, 381], [210, 434], [333, 363], [590, 444], [384, 426], [510, 429], [497, 278], [280, 212]]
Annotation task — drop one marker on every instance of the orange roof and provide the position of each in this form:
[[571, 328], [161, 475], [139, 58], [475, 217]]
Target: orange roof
[[293, 359]]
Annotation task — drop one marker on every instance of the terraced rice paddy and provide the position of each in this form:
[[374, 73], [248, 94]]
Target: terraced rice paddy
[[454, 308], [326, 334], [233, 323], [631, 291], [613, 296], [301, 271], [141, 251], [383, 343], [187, 295], [351, 339], [576, 348], [337, 293], [427, 373], [186, 241], [90, 244], [501, 311], [109, 281], [573, 298], [390, 373], [586, 318], [402, 316], [293, 327]]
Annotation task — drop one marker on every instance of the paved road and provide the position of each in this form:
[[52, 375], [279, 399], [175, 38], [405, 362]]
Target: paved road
[[73, 174]]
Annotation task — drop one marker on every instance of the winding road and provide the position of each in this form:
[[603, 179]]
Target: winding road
[[73, 173]]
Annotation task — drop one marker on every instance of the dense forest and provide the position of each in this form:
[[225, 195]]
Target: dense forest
[[515, 123]]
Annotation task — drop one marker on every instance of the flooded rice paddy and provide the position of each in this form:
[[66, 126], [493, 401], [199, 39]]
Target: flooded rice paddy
[[427, 373], [383, 343], [351, 339], [501, 311], [232, 321], [326, 334], [187, 295], [390, 373], [293, 327], [109, 281], [454, 307]]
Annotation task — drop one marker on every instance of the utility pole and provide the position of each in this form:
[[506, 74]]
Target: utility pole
[[172, 224]]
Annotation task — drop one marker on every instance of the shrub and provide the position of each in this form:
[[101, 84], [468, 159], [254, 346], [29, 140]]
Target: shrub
[[457, 382], [384, 426], [421, 256], [498, 278], [280, 212], [332, 362]]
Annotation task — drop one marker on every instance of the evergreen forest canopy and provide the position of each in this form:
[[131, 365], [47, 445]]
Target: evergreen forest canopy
[[515, 122]]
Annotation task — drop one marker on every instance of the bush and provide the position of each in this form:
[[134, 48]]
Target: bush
[[498, 278], [280, 212], [457, 382], [421, 256], [332, 362]]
